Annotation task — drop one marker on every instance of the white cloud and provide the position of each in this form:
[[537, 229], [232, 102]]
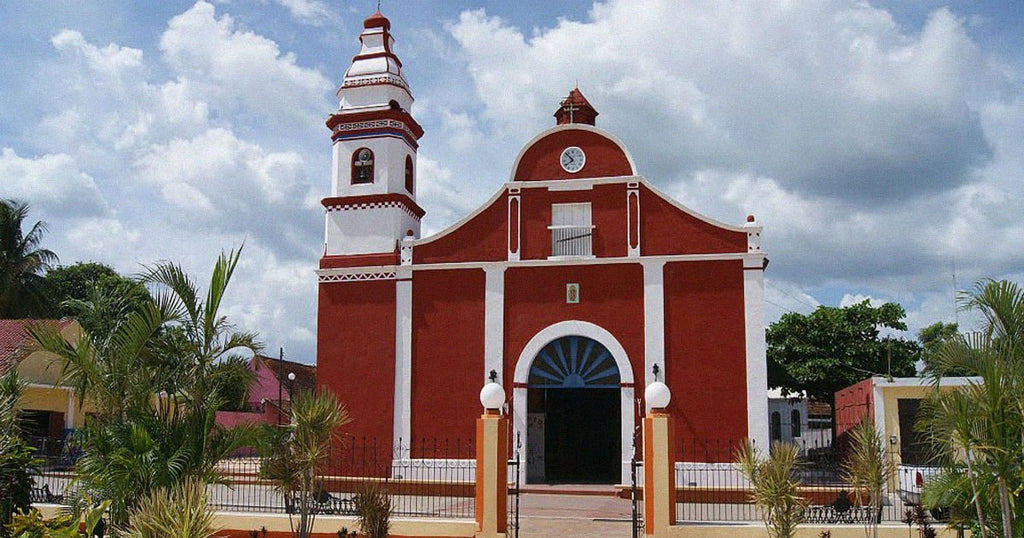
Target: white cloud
[[52, 184], [310, 11], [113, 60], [830, 99], [240, 71], [218, 179], [438, 191]]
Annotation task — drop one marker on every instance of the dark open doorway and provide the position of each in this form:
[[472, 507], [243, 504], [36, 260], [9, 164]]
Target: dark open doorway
[[581, 436], [574, 414]]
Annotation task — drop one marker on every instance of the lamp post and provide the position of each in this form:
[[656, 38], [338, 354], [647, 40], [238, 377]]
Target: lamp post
[[291, 387], [280, 367]]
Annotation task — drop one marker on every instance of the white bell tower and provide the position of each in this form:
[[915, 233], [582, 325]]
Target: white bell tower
[[373, 174]]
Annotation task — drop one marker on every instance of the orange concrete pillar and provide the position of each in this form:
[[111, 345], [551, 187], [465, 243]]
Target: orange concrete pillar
[[491, 466], [659, 464]]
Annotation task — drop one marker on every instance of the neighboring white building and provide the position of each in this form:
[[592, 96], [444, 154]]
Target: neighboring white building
[[795, 420]]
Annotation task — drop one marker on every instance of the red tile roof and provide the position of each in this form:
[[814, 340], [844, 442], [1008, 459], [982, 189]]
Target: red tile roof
[[14, 339]]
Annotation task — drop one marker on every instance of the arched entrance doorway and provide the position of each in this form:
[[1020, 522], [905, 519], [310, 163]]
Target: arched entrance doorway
[[573, 413]]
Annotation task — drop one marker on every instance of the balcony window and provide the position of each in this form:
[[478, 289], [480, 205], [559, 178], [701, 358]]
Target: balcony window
[[571, 231]]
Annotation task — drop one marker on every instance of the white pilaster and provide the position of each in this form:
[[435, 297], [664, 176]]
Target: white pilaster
[[69, 417], [654, 320], [494, 321], [403, 355], [757, 366]]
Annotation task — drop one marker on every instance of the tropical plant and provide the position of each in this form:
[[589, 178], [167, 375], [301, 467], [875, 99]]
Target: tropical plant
[[22, 262], [869, 470], [18, 463], [203, 336], [178, 512], [981, 431], [154, 383], [31, 524], [233, 378], [107, 370], [299, 451], [373, 510], [775, 489]]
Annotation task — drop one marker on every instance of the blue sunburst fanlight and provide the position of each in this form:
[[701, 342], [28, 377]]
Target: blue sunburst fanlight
[[574, 362]]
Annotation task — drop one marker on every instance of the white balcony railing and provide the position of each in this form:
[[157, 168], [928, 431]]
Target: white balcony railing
[[571, 240]]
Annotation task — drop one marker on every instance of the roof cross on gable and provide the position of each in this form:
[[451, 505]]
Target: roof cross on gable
[[575, 109]]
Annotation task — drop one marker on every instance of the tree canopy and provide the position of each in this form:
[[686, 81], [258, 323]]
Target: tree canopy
[[93, 294], [832, 348], [932, 338]]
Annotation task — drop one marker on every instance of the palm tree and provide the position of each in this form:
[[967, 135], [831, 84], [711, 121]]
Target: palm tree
[[775, 489], [153, 381], [987, 433], [107, 370], [869, 470], [22, 291], [201, 337], [301, 449]]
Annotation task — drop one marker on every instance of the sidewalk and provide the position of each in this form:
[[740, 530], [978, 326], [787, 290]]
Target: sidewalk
[[573, 516]]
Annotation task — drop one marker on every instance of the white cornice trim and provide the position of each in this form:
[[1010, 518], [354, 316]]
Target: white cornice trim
[[333, 274]]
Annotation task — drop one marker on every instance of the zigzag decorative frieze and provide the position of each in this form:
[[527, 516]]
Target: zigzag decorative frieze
[[375, 124], [380, 79], [374, 205], [357, 277]]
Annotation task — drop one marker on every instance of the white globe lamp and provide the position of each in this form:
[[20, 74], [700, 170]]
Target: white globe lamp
[[657, 395], [492, 396]]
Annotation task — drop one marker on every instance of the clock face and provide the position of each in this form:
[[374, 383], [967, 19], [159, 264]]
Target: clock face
[[573, 159]]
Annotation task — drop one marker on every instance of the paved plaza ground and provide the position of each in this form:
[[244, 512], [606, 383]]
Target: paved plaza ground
[[571, 516]]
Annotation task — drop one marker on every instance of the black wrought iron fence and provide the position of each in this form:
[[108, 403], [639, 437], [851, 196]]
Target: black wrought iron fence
[[512, 528], [430, 478], [58, 458], [710, 487]]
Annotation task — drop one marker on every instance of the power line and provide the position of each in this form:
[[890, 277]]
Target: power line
[[791, 296]]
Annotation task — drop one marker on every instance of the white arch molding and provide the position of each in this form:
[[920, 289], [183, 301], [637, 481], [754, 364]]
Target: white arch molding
[[626, 389]]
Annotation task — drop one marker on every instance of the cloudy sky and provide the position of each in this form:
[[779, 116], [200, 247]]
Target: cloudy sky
[[881, 144]]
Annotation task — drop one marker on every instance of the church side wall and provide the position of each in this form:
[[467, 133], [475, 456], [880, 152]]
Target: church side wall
[[705, 351], [447, 357], [667, 230], [609, 297], [482, 238], [356, 353]]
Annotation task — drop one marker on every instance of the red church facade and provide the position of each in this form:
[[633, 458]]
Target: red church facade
[[576, 285]]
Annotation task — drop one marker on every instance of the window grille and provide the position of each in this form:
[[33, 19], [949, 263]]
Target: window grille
[[571, 231]]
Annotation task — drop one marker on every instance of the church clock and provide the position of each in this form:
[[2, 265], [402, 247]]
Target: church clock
[[573, 159]]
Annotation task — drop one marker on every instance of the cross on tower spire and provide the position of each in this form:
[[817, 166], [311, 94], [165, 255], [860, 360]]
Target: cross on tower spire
[[575, 109]]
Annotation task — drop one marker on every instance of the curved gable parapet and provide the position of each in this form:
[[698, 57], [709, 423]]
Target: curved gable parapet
[[480, 236], [669, 227], [539, 160]]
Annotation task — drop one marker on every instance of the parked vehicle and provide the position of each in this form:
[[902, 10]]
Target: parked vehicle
[[912, 480]]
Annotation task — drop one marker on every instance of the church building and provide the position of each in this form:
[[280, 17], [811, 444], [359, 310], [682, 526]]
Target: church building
[[574, 286]]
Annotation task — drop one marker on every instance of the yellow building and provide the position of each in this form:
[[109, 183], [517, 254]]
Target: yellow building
[[892, 404], [49, 410]]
